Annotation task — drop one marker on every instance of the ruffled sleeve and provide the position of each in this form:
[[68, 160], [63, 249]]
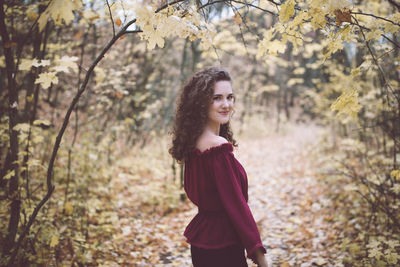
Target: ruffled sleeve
[[230, 188]]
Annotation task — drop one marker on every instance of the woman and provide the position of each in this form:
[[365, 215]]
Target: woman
[[214, 180]]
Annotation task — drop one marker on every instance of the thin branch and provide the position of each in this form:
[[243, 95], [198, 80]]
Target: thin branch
[[135, 31], [256, 7], [381, 72], [50, 186], [375, 16], [111, 17], [234, 9], [395, 4], [168, 4], [209, 3]]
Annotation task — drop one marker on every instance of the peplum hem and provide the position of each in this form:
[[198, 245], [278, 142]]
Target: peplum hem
[[207, 230]]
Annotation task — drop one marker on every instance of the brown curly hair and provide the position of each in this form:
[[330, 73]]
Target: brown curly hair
[[192, 112]]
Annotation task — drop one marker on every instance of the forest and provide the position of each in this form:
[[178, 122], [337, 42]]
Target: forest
[[88, 94]]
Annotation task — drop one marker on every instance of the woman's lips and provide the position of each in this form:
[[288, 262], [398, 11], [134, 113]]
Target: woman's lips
[[224, 113]]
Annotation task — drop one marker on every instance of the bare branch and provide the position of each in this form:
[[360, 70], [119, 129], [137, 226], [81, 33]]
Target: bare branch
[[375, 16], [111, 17], [50, 186], [256, 7], [392, 2], [381, 72]]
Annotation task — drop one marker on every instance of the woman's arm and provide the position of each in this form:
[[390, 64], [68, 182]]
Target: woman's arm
[[260, 258]]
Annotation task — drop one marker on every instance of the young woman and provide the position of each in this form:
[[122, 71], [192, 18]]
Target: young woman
[[214, 180]]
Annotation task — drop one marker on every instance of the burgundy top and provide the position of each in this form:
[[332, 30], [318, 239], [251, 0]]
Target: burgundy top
[[216, 183]]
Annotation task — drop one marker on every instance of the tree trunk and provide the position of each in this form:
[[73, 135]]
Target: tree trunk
[[13, 120]]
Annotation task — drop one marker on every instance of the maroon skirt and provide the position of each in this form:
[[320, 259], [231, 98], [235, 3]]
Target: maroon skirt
[[232, 256]]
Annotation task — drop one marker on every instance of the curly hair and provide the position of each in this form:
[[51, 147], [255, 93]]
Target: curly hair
[[192, 112]]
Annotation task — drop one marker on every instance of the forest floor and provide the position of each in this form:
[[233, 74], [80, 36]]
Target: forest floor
[[285, 195]]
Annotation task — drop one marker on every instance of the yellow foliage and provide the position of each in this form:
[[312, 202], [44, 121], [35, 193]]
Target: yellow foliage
[[65, 63], [333, 46], [68, 208], [46, 79], [317, 18], [287, 10], [395, 174], [157, 26], [347, 103], [54, 241], [59, 10], [9, 175]]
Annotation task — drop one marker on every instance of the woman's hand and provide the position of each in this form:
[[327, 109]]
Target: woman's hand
[[260, 258]]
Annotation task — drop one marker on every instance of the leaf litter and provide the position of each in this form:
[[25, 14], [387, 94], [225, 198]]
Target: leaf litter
[[286, 197]]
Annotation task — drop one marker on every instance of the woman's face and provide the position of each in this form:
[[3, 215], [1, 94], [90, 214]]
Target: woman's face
[[222, 103]]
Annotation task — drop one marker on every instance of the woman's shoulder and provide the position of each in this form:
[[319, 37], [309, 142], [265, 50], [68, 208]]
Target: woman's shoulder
[[207, 142], [212, 144]]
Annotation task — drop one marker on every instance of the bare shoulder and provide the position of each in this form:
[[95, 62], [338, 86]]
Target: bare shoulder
[[206, 142]]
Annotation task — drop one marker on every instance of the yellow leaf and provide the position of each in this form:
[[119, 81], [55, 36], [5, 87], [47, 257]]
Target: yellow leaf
[[333, 46], [42, 62], [54, 241], [59, 10], [45, 79], [42, 122], [68, 208], [9, 175], [237, 18], [31, 13], [21, 127], [64, 63], [29, 98], [318, 18], [26, 64], [395, 174], [118, 22], [374, 34], [287, 10], [347, 103]]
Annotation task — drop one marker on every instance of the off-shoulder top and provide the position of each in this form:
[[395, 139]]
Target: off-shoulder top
[[216, 183]]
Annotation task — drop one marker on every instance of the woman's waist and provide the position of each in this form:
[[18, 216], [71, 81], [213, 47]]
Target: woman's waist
[[209, 211]]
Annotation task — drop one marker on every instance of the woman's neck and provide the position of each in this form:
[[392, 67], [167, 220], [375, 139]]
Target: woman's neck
[[212, 128]]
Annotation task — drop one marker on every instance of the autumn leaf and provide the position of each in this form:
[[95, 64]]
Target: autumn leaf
[[395, 174], [342, 16], [21, 127], [318, 19], [287, 10], [347, 103], [59, 10], [68, 208], [333, 46], [54, 241], [46, 79], [65, 63], [9, 175], [26, 64], [36, 63], [118, 22], [78, 35], [237, 18], [10, 44]]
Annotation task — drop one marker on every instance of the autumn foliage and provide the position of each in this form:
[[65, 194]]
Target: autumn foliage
[[87, 84]]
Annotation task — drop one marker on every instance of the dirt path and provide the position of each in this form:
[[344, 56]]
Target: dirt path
[[286, 199]]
